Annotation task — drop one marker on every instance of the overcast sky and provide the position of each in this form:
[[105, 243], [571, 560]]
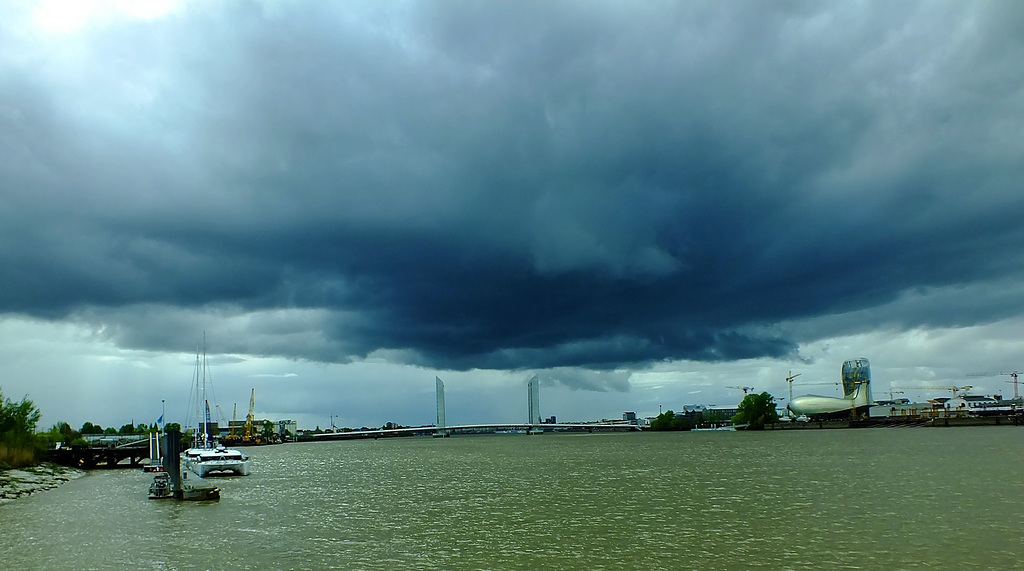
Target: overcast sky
[[642, 203]]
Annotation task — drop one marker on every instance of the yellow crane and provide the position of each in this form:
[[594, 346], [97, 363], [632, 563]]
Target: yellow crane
[[250, 432]]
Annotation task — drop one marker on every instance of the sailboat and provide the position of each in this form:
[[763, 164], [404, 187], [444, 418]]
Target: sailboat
[[206, 456]]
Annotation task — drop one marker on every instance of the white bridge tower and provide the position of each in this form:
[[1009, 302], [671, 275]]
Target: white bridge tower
[[439, 388], [533, 400]]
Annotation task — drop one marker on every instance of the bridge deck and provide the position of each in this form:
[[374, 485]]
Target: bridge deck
[[475, 429]]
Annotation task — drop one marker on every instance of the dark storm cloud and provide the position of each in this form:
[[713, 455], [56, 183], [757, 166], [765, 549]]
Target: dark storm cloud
[[514, 186]]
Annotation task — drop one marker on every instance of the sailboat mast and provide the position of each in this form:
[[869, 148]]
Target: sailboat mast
[[206, 427], [198, 411]]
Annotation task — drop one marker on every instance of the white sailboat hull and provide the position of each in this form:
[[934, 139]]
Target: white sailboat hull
[[205, 462]]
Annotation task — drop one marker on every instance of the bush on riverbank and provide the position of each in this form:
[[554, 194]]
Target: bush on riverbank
[[19, 445], [17, 457]]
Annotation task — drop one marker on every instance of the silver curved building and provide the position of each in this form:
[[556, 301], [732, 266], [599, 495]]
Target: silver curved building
[[856, 399]]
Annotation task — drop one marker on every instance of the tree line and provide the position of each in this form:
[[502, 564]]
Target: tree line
[[21, 445], [753, 413], [671, 420]]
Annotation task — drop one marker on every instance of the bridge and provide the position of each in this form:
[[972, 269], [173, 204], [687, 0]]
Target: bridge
[[499, 428], [100, 455], [535, 425]]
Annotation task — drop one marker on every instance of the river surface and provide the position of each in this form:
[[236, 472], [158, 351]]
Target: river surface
[[809, 499]]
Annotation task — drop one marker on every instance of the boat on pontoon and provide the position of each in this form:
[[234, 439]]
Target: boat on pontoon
[[216, 460], [207, 457]]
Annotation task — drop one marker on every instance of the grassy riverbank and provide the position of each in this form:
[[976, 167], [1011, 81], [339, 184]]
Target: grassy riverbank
[[17, 457]]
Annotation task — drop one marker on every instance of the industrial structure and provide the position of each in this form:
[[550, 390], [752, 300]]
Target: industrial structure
[[856, 399]]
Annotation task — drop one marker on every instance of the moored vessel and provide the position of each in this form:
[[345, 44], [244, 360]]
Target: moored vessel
[[216, 460], [206, 457]]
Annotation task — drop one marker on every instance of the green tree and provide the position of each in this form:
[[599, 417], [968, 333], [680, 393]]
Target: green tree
[[19, 445], [90, 428], [268, 432], [670, 420], [664, 421], [67, 433], [756, 410]]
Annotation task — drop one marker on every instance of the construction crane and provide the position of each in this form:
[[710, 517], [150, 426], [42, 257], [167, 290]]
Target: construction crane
[[1016, 393], [1014, 374], [744, 389], [234, 421], [250, 433], [789, 380], [935, 387], [891, 392]]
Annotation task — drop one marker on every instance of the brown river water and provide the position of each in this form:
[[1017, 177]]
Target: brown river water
[[910, 498]]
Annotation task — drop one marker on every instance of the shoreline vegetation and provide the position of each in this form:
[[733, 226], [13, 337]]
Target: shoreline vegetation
[[19, 444]]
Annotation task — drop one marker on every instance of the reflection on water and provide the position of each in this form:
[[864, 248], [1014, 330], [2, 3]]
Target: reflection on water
[[867, 499]]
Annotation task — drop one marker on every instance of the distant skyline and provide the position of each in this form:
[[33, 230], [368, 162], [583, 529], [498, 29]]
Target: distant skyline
[[642, 204]]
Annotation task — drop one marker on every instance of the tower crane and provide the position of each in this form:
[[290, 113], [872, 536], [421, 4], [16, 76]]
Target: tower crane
[[935, 387], [744, 389], [1014, 374], [789, 380]]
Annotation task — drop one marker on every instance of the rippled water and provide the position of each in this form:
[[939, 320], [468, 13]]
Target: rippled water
[[811, 499]]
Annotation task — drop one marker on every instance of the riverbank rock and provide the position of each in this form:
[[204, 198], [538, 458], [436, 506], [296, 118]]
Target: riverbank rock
[[18, 483]]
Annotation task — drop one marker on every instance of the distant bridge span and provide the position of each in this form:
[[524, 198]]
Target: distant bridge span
[[475, 429]]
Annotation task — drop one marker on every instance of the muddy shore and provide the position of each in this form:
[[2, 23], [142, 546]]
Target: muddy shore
[[18, 483]]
